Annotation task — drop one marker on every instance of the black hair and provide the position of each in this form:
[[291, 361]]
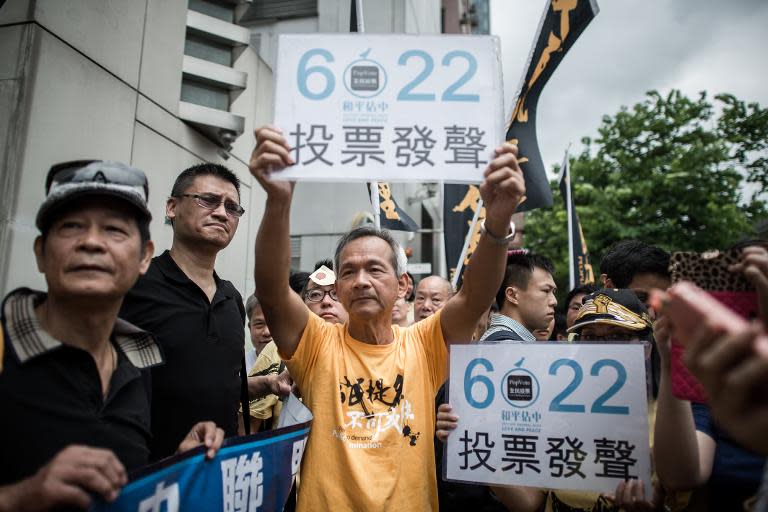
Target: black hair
[[627, 258], [298, 280], [560, 326], [187, 177], [412, 296], [586, 289], [327, 262], [364, 231], [519, 271]]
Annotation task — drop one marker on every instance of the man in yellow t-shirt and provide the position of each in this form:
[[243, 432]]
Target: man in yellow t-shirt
[[369, 384]]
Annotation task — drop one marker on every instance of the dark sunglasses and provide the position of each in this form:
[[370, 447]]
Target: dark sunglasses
[[96, 171], [212, 201]]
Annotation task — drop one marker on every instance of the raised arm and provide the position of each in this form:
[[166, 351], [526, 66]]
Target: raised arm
[[285, 312], [683, 456], [501, 190]]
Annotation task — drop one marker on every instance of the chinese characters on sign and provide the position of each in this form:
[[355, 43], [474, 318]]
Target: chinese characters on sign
[[557, 416], [372, 107]]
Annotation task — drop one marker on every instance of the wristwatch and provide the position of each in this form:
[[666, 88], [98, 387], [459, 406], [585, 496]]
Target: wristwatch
[[499, 241]]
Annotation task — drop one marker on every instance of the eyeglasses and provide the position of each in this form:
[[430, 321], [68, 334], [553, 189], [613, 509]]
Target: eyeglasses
[[317, 295], [212, 201]]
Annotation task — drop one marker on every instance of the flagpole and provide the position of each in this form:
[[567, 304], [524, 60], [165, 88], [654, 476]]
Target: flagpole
[[375, 206], [568, 209], [359, 12], [470, 234]]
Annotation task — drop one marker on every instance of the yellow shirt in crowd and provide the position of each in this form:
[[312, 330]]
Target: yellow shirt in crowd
[[370, 446], [267, 362]]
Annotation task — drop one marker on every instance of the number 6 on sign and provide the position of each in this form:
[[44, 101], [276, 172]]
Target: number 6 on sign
[[303, 73], [470, 381]]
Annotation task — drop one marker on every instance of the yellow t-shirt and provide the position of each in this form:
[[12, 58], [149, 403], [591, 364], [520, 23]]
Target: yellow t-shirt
[[267, 362], [370, 446]]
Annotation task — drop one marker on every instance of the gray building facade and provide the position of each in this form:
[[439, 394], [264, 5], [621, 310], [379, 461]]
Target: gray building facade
[[162, 85]]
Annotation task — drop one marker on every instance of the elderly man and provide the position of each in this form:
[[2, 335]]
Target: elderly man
[[76, 408], [257, 328], [197, 317], [432, 293], [371, 384], [268, 379]]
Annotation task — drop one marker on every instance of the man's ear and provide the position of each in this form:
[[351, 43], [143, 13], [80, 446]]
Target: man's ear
[[510, 294], [146, 257], [607, 281], [170, 209], [40, 254], [402, 286]]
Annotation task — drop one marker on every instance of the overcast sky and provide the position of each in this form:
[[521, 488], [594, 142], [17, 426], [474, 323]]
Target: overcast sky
[[632, 47]]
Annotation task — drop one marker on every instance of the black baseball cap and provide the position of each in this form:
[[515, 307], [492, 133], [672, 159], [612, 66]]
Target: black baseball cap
[[70, 181]]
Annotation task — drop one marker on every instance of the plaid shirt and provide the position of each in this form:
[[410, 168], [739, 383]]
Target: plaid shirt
[[28, 338], [503, 323]]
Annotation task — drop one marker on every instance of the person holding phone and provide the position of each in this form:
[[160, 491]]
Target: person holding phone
[[691, 450]]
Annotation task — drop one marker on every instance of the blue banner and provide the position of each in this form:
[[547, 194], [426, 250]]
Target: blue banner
[[249, 474]]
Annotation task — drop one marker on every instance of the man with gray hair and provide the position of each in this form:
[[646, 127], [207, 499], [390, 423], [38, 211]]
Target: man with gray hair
[[268, 380], [370, 384], [432, 293]]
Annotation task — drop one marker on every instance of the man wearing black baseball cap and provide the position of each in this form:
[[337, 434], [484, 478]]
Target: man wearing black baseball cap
[[76, 406]]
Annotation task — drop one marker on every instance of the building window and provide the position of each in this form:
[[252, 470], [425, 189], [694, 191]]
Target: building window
[[221, 10], [204, 95], [296, 253], [202, 48]]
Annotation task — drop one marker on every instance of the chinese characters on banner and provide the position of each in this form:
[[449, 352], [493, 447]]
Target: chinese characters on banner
[[374, 107], [249, 474], [555, 416]]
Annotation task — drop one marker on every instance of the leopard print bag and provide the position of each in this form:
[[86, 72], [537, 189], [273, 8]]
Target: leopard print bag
[[709, 271]]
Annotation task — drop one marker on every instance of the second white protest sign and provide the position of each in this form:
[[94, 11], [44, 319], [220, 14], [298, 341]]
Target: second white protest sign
[[553, 415]]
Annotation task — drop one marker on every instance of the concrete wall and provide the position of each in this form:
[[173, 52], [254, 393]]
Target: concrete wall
[[101, 79]]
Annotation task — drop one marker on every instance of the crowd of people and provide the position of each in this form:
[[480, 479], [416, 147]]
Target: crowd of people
[[127, 358]]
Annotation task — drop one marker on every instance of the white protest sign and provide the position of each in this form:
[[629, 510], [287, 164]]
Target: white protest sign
[[363, 107], [552, 415]]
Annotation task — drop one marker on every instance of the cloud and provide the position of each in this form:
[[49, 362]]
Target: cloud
[[633, 47]]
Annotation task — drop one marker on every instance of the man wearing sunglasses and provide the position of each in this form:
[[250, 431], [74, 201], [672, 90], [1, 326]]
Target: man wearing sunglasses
[[74, 393], [196, 317]]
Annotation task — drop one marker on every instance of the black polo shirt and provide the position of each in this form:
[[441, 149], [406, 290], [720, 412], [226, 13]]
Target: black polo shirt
[[203, 345], [51, 396]]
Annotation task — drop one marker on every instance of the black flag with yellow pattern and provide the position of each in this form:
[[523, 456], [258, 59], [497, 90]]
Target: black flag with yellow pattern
[[391, 216], [561, 25], [460, 202]]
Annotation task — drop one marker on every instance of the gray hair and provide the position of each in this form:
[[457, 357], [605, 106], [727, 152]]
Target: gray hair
[[250, 305], [399, 260]]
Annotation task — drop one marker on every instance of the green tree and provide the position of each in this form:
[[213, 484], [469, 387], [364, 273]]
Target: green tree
[[671, 171]]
